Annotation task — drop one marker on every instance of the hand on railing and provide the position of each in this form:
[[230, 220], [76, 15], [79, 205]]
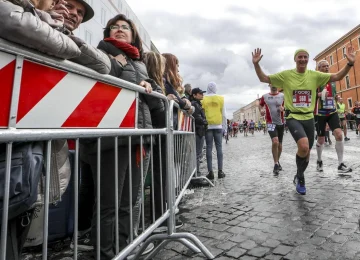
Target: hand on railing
[[146, 85], [172, 97]]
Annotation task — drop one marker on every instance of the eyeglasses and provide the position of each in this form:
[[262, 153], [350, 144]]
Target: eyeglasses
[[122, 27]]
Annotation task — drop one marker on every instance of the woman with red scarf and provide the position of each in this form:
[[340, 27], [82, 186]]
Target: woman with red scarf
[[123, 45]]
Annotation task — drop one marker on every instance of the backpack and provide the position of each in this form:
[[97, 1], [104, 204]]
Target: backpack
[[26, 169]]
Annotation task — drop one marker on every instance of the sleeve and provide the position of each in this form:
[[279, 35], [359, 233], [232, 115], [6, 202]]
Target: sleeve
[[26, 29], [170, 90], [262, 101], [277, 80], [93, 58], [322, 78]]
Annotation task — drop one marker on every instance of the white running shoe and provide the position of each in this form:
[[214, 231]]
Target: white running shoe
[[342, 168]]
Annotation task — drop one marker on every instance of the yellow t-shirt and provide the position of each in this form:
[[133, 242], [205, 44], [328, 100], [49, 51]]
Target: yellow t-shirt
[[300, 90]]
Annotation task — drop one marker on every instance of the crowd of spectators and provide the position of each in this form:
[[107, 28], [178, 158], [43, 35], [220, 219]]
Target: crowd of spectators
[[47, 26]]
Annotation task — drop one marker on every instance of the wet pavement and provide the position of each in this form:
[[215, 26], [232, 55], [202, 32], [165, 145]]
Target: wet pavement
[[253, 215]]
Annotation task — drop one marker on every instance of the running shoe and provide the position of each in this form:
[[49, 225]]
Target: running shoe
[[276, 170], [347, 139], [342, 168], [300, 185], [319, 166], [280, 168]]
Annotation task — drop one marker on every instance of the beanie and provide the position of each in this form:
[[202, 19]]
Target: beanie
[[300, 50]]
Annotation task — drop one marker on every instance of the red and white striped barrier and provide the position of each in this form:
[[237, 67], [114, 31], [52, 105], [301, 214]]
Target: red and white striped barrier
[[52, 98]]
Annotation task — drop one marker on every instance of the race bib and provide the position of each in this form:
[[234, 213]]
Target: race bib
[[341, 115], [302, 98], [357, 115], [271, 127], [329, 103]]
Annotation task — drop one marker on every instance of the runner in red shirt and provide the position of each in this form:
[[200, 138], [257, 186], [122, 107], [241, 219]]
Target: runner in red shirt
[[274, 109]]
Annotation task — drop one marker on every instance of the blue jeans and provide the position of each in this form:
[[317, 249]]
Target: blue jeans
[[199, 147], [211, 136]]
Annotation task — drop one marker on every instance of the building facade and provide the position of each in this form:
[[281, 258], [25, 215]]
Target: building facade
[[92, 31], [349, 87], [248, 112]]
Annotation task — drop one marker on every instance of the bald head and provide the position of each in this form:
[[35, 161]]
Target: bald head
[[323, 66]]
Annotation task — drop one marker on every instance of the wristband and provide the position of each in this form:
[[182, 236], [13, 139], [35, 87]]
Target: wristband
[[350, 65]]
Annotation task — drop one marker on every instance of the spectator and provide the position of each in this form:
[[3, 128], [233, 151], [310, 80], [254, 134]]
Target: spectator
[[200, 125], [155, 65], [172, 82], [215, 113], [188, 93], [76, 12], [123, 44], [20, 23]]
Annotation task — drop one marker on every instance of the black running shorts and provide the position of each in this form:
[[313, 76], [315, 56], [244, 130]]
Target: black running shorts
[[333, 121], [276, 131], [302, 128]]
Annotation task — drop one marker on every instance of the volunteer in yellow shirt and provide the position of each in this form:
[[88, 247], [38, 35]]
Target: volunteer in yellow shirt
[[341, 112]]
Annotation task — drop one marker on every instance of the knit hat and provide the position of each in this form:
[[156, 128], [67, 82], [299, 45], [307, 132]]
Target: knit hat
[[300, 50]]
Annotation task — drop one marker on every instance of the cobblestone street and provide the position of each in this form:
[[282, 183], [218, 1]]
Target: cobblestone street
[[253, 215]]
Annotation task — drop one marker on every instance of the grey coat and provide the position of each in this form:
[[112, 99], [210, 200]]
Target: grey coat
[[23, 27]]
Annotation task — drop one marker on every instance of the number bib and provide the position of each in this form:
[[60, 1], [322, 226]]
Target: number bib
[[271, 127], [328, 103], [357, 115], [302, 98]]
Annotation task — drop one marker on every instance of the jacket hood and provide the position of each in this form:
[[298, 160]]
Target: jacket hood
[[211, 89]]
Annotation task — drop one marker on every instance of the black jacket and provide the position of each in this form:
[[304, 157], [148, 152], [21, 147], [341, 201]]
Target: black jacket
[[200, 118], [170, 90]]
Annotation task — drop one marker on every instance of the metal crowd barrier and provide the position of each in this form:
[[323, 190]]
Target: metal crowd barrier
[[47, 99]]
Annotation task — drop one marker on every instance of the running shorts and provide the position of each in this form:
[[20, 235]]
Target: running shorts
[[276, 131], [302, 128], [332, 120], [357, 120]]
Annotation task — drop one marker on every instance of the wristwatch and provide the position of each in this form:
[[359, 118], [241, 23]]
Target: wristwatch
[[350, 64]]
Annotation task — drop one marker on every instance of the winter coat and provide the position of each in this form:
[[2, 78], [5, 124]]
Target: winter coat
[[200, 119], [182, 104], [157, 107], [26, 28], [93, 58]]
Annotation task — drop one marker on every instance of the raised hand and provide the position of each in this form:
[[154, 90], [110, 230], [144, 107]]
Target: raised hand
[[60, 8], [350, 55], [256, 56]]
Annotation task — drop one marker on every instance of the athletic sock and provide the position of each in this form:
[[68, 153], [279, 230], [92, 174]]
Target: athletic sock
[[339, 147], [319, 149], [301, 164]]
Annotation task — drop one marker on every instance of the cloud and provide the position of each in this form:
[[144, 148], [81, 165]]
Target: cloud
[[214, 42]]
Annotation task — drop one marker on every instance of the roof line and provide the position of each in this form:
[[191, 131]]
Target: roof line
[[337, 41]]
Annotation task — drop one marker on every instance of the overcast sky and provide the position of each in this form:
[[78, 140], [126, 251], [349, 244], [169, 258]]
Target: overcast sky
[[214, 39]]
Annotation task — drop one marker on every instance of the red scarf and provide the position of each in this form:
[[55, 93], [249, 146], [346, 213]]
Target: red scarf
[[129, 50]]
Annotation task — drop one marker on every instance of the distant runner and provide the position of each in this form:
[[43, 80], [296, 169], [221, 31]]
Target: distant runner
[[245, 125], [274, 114], [341, 112], [356, 111]]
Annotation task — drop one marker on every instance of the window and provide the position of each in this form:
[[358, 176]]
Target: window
[[349, 102], [88, 36], [103, 16], [347, 79], [344, 51], [359, 42], [331, 60]]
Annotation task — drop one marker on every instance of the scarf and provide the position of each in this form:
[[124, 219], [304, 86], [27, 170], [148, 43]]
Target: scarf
[[129, 50]]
